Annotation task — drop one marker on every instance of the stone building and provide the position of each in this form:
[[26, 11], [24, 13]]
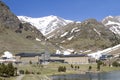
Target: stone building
[[70, 59]]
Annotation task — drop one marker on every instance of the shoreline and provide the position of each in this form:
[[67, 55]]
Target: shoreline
[[81, 73]]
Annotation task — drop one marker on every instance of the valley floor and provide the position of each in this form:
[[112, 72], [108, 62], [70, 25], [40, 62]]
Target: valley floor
[[42, 72]]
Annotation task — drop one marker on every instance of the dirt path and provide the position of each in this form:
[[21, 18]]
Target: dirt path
[[20, 77]]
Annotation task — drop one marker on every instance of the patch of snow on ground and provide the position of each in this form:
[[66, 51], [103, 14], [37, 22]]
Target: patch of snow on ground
[[64, 34], [77, 30], [87, 51], [97, 31], [50, 36], [70, 50], [115, 29], [37, 39], [70, 38], [98, 54], [66, 52], [110, 23], [73, 30], [58, 52], [63, 41]]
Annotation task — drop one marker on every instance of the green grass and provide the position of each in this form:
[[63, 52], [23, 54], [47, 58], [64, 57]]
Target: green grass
[[52, 68]]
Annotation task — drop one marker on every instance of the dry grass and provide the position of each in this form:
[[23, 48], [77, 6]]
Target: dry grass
[[35, 77]]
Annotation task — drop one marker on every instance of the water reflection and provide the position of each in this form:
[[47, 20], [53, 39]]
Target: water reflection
[[115, 75]]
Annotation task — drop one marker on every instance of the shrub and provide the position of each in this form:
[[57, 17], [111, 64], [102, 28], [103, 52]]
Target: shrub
[[7, 70], [27, 72], [90, 67], [38, 73], [61, 69], [72, 66], [21, 71], [115, 64], [30, 62], [18, 31], [99, 63], [32, 73], [98, 67]]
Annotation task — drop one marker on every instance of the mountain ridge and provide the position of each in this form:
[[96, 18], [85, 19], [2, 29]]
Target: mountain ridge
[[45, 24], [58, 33], [89, 34], [82, 35], [46, 27]]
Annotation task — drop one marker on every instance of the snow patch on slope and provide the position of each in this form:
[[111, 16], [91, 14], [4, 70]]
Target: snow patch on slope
[[75, 30], [115, 29], [111, 23], [98, 54], [50, 36], [64, 34], [37, 39], [65, 52], [97, 31], [70, 38]]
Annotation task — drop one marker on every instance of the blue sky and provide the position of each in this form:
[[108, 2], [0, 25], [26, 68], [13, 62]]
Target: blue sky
[[77, 10]]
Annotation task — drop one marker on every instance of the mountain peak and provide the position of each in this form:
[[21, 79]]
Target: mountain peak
[[113, 23], [52, 16], [45, 24]]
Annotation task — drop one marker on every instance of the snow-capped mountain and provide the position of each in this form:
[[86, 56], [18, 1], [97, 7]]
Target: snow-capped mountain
[[113, 23], [87, 35], [45, 24]]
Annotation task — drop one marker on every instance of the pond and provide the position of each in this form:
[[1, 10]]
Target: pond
[[114, 75]]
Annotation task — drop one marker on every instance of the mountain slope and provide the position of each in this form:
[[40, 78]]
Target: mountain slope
[[113, 22], [18, 37], [45, 24], [23, 34], [87, 35]]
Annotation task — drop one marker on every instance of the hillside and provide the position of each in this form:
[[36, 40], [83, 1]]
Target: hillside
[[16, 36], [87, 35], [26, 34]]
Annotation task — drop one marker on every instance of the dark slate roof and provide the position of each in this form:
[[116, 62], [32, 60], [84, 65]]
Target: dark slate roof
[[28, 54], [71, 55], [74, 55], [52, 55]]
